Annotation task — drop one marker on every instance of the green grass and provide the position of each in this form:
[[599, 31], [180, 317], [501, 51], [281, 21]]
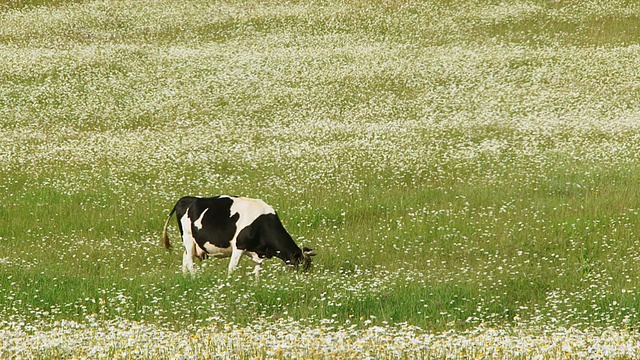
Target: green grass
[[453, 163]]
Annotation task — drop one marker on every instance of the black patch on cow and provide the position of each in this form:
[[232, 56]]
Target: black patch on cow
[[182, 205], [218, 226], [267, 237]]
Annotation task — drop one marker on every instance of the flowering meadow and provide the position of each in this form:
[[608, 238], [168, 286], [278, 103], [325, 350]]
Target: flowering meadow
[[468, 173]]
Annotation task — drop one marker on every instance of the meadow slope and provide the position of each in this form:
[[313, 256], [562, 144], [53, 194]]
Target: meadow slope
[[466, 171]]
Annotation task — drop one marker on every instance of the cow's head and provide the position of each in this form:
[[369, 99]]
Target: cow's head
[[307, 257], [302, 259]]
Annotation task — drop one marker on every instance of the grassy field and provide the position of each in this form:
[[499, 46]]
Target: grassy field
[[459, 167]]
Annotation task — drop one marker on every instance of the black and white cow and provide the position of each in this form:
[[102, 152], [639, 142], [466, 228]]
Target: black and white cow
[[230, 226]]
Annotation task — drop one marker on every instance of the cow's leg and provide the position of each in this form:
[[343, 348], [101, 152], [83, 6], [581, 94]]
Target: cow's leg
[[236, 254], [187, 263], [258, 260], [187, 257], [189, 245]]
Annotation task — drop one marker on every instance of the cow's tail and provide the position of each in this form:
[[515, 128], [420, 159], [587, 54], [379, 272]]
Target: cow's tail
[[165, 238]]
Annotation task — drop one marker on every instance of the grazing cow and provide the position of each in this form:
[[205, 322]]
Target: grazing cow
[[230, 226]]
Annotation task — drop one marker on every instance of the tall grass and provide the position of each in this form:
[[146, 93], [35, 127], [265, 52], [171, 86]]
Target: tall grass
[[453, 163]]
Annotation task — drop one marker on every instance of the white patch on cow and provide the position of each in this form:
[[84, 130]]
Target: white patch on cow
[[249, 210], [218, 252], [198, 223]]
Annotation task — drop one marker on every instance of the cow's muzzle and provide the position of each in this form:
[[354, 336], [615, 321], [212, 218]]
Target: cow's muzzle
[[307, 258]]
